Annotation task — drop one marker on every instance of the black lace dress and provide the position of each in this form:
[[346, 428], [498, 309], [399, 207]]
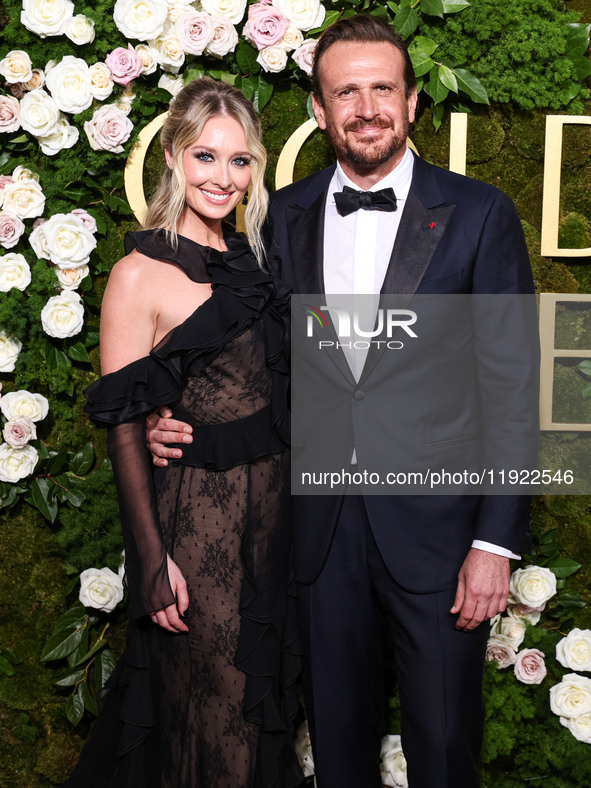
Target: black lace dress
[[211, 708]]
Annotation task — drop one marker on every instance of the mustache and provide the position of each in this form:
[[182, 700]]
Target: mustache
[[367, 124]]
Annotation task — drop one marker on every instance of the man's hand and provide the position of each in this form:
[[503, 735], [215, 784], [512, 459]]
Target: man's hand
[[169, 618], [483, 588], [160, 430]]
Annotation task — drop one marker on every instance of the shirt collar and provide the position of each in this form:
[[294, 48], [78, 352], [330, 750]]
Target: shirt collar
[[399, 179]]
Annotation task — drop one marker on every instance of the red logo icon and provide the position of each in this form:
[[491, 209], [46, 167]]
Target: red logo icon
[[432, 225]]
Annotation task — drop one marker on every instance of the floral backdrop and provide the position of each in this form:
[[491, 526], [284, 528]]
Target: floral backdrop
[[77, 84]]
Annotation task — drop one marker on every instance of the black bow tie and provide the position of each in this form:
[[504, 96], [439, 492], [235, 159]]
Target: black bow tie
[[350, 200]]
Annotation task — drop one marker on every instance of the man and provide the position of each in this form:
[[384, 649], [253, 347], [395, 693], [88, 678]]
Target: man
[[433, 568]]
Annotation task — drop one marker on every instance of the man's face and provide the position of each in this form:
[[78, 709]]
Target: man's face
[[366, 113]]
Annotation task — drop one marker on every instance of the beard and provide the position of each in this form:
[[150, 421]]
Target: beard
[[371, 153]]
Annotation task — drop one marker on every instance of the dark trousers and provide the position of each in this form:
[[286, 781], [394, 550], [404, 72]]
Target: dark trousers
[[438, 669]]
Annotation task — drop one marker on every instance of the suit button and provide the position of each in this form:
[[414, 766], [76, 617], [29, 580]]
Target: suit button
[[359, 395]]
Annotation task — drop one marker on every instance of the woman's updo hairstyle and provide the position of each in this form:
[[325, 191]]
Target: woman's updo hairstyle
[[198, 102]]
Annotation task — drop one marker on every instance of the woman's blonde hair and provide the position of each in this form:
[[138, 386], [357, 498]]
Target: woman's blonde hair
[[198, 102]]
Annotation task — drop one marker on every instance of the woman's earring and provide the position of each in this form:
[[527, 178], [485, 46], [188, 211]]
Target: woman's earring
[[245, 198]]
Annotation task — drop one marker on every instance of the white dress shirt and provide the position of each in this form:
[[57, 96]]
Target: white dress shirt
[[357, 250]]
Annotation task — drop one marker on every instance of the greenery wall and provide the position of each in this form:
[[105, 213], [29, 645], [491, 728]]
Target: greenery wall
[[525, 744]]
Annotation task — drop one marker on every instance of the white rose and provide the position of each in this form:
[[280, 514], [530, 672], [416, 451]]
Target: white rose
[[87, 220], [125, 101], [512, 629], [140, 19], [16, 66], [10, 114], [230, 9], [63, 315], [39, 113], [46, 17], [532, 586], [305, 14], [19, 431], [37, 80], [24, 403], [14, 272], [304, 55], [174, 85], [580, 727], [101, 82], [63, 136], [68, 241], [69, 83], [24, 199], [70, 278], [292, 39], [101, 589], [393, 765], [225, 37], [499, 650], [21, 173], [272, 59], [149, 57], [570, 698], [11, 229], [38, 241], [80, 29], [574, 651], [16, 464], [303, 749], [194, 31], [9, 350], [108, 129], [169, 52]]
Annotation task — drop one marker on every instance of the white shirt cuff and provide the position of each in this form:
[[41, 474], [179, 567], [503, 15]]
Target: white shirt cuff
[[494, 548]]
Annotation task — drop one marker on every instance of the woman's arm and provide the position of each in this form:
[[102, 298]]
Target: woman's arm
[[128, 325]]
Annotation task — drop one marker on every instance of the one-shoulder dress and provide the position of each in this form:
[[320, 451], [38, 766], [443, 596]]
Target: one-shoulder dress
[[212, 708]]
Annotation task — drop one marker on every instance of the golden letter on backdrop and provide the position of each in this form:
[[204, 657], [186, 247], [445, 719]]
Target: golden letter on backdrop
[[551, 195]]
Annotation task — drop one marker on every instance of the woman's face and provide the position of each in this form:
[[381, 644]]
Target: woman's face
[[217, 169]]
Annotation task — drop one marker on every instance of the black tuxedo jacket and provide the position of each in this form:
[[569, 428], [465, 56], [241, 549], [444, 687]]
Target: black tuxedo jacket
[[456, 235]]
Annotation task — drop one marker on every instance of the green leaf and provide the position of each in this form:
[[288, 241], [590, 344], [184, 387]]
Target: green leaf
[[83, 460], [79, 353], [471, 85], [549, 536], [563, 567], [55, 358], [262, 95], [406, 21], [72, 619], [101, 225], [585, 367], [75, 708], [246, 58], [329, 19], [437, 111], [423, 44], [147, 109], [577, 38], [101, 643], [89, 701], [41, 497], [453, 6], [447, 77], [57, 462], [189, 76], [582, 65], [75, 497], [571, 601], [248, 87], [62, 644], [103, 667], [70, 677], [586, 391], [6, 668], [432, 7], [18, 140], [392, 6], [421, 63], [435, 88], [309, 106]]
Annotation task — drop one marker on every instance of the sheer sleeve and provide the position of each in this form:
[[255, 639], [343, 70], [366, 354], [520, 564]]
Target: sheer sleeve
[[145, 555]]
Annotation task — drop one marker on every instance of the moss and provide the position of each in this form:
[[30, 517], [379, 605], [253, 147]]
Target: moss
[[574, 232], [432, 147], [527, 134], [576, 145], [550, 276], [485, 138], [57, 758]]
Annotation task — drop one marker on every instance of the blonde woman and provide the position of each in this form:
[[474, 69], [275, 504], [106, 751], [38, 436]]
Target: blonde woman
[[201, 697]]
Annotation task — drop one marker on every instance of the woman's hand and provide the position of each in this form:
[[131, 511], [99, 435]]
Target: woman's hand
[[162, 429], [169, 617]]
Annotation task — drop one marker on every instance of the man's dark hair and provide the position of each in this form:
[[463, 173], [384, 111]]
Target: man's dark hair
[[365, 29]]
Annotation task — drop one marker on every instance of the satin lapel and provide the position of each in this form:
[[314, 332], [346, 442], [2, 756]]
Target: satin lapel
[[420, 231], [305, 227]]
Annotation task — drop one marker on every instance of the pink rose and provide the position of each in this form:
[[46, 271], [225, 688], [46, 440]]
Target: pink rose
[[499, 651], [124, 64], [108, 129], [304, 55], [529, 666], [11, 229], [266, 25], [88, 221], [19, 431], [10, 115], [17, 89], [194, 31]]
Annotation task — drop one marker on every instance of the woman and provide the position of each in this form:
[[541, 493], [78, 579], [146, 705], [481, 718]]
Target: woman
[[201, 696]]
